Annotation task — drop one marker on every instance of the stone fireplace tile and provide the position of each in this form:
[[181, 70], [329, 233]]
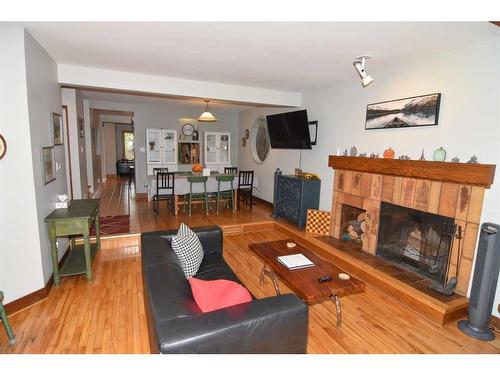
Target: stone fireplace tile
[[476, 204], [434, 196], [463, 276], [408, 192], [463, 201], [448, 199], [388, 188], [347, 188], [366, 184], [422, 195], [356, 183], [376, 189], [470, 240], [398, 185]]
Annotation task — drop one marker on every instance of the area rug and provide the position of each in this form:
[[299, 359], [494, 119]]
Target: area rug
[[118, 224]]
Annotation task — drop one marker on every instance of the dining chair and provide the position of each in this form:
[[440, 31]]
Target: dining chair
[[231, 170], [227, 194], [203, 197], [156, 170], [164, 189], [5, 321], [245, 187]]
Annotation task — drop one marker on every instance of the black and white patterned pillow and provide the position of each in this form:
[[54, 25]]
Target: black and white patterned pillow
[[187, 246]]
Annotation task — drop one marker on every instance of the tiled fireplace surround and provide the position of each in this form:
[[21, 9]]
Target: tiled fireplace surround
[[354, 186]]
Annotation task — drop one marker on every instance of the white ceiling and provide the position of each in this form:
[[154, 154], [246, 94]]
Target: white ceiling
[[285, 56]]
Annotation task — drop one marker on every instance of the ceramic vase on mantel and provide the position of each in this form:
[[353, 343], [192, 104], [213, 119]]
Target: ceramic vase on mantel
[[439, 154]]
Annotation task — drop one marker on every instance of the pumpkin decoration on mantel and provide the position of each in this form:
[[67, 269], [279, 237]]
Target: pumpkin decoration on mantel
[[389, 153]]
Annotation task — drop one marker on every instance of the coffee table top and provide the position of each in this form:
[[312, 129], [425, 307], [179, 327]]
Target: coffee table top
[[304, 281]]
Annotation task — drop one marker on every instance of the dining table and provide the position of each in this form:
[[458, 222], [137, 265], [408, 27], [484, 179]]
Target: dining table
[[181, 186]]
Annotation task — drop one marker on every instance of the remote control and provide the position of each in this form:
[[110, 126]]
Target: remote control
[[324, 278]]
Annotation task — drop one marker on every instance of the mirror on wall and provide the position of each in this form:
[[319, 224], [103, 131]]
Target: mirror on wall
[[260, 144]]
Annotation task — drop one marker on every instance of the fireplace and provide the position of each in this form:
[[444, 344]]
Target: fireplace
[[353, 224], [418, 240]]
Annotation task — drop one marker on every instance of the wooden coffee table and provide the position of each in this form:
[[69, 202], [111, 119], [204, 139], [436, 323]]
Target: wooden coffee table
[[304, 282]]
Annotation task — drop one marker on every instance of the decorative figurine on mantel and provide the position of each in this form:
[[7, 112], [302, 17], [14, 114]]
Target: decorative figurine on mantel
[[439, 154], [473, 160], [374, 155], [422, 158], [363, 155], [345, 152], [354, 151], [389, 153], [455, 160], [404, 157]]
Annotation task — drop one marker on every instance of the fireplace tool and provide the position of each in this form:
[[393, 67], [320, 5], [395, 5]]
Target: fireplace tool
[[448, 288]]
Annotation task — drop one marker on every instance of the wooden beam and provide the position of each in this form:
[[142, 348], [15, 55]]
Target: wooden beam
[[461, 173]]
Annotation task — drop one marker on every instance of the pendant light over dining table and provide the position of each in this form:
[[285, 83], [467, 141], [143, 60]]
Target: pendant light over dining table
[[207, 116]]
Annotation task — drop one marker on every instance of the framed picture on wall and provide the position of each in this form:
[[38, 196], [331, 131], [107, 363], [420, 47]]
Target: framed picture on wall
[[57, 129], [81, 129], [48, 165], [404, 113]]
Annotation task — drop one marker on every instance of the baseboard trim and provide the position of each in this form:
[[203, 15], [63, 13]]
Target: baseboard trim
[[263, 202], [37, 296]]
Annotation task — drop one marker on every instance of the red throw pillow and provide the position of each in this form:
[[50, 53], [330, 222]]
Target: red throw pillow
[[217, 294]]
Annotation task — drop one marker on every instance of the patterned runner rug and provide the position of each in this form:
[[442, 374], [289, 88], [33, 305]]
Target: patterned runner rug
[[118, 224]]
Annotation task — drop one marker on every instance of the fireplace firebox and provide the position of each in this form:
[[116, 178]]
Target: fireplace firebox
[[417, 240]]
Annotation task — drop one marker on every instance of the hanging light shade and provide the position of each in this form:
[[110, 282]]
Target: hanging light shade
[[207, 116]]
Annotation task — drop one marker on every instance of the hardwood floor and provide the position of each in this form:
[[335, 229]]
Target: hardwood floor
[[107, 315]]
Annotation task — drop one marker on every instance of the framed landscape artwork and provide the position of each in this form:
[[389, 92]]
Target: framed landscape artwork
[[48, 165], [404, 113], [57, 129]]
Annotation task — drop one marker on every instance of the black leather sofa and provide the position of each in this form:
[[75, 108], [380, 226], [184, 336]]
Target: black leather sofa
[[176, 324]]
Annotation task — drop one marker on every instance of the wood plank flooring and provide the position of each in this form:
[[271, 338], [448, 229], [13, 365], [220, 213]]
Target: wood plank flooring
[[107, 315]]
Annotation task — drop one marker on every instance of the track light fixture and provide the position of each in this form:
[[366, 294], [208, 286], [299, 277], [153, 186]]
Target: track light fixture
[[359, 64]]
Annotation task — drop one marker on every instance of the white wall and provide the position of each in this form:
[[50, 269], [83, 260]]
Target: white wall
[[88, 145], [21, 271], [72, 98], [286, 160], [163, 113], [136, 82], [44, 98], [469, 120], [110, 148]]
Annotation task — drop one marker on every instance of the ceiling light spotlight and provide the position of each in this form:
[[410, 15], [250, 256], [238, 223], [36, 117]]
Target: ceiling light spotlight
[[359, 64]]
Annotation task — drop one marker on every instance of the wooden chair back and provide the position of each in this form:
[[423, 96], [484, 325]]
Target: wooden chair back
[[156, 170], [245, 179], [231, 170], [165, 181]]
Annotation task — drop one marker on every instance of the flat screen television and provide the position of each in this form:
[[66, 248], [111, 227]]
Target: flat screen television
[[289, 130]]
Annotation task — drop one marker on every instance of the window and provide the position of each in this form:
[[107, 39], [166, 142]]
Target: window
[[128, 145]]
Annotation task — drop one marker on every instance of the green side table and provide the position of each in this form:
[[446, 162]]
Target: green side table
[[5, 321], [77, 219]]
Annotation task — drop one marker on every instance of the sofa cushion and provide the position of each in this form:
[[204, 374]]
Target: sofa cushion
[[217, 294], [187, 247]]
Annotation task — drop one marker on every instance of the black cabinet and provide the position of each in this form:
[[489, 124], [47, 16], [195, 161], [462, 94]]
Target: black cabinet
[[293, 196]]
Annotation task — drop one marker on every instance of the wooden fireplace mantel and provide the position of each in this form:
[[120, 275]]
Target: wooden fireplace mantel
[[461, 173]]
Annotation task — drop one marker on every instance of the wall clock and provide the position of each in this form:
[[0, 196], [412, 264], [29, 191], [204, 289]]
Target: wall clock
[[3, 146], [187, 129]]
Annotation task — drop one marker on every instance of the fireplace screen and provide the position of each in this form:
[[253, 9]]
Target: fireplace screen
[[415, 239]]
